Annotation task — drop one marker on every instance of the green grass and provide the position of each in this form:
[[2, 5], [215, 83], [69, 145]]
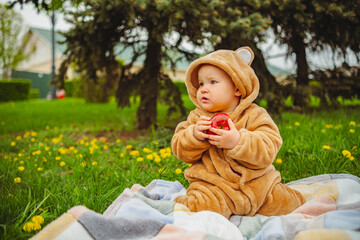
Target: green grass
[[70, 153]]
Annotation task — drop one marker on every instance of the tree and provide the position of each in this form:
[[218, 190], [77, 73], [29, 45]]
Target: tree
[[10, 43], [313, 24], [145, 27]]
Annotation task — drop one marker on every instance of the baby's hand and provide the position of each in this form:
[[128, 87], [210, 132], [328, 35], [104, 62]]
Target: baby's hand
[[225, 138], [201, 126]]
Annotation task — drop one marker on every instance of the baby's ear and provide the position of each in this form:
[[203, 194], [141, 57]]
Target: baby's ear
[[246, 54]]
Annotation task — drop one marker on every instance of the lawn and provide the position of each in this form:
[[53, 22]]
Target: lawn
[[58, 154]]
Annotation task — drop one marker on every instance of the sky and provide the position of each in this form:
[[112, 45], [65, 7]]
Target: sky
[[33, 18]]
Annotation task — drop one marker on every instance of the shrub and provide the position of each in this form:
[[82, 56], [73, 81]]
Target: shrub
[[182, 87], [74, 88], [34, 93], [14, 89]]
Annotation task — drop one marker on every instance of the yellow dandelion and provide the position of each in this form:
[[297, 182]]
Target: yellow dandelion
[[39, 169], [190, 165], [156, 143], [354, 147], [140, 159], [351, 158], [147, 150], [329, 126], [17, 180], [57, 158], [38, 152], [28, 226], [19, 155], [134, 153], [346, 153], [12, 143], [44, 159], [62, 163], [80, 155], [278, 161], [351, 130], [118, 140], [18, 137], [323, 130], [47, 128], [128, 146], [352, 123], [94, 163], [150, 157], [32, 139], [297, 124], [157, 159], [178, 171], [37, 226], [105, 147], [83, 164], [326, 147], [21, 162], [121, 154], [21, 168], [91, 149], [37, 219], [47, 148]]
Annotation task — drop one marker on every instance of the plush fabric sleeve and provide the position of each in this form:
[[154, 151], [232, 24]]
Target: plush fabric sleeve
[[260, 139], [184, 145]]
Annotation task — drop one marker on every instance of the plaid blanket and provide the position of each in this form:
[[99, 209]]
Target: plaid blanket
[[331, 211]]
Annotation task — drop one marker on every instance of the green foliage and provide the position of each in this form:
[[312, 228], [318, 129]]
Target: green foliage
[[74, 88], [14, 90], [182, 87], [34, 93], [10, 43]]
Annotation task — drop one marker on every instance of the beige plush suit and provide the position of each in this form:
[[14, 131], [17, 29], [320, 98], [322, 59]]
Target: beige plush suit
[[241, 180]]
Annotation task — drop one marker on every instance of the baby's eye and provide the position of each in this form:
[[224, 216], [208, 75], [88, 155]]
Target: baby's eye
[[213, 82], [201, 84]]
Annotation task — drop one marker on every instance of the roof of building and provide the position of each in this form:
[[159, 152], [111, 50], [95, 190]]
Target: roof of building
[[46, 34], [126, 55]]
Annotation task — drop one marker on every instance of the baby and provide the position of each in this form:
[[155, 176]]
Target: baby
[[232, 171]]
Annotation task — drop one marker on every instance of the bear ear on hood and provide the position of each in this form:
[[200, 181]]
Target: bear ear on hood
[[246, 54]]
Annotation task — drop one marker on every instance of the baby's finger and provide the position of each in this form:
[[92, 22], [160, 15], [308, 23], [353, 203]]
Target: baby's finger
[[214, 138], [231, 124], [217, 131]]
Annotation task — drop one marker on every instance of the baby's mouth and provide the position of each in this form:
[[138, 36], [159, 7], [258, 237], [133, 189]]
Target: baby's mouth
[[204, 99]]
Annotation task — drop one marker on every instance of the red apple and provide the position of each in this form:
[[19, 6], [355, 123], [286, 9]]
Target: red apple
[[219, 121]]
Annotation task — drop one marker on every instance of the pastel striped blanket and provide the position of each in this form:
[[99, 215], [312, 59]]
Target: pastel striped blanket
[[331, 211]]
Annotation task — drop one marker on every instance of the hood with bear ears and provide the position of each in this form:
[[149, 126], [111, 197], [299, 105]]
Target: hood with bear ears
[[237, 65]]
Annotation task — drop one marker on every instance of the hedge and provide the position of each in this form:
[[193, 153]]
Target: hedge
[[74, 88], [14, 89], [34, 93]]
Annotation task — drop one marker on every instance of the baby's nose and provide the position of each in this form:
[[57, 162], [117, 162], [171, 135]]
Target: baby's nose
[[204, 90]]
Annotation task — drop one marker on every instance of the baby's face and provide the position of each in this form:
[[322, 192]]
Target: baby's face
[[216, 92]]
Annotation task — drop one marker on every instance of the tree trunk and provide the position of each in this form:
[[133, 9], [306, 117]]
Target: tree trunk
[[302, 70], [146, 113], [301, 92]]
